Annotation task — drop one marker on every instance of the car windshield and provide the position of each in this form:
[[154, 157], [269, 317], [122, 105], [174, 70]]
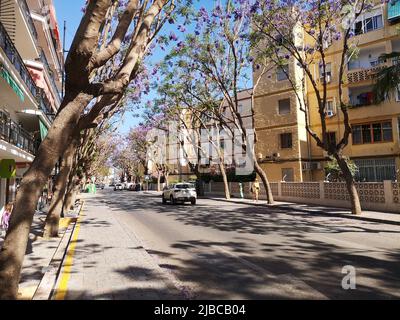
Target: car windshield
[[184, 186]]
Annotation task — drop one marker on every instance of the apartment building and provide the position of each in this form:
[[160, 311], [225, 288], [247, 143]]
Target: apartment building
[[31, 64], [222, 139], [288, 153]]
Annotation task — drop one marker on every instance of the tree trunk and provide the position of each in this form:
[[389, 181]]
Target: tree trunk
[[70, 197], [225, 180], [350, 184], [56, 206], [14, 246], [166, 179], [264, 179], [159, 182], [70, 187]]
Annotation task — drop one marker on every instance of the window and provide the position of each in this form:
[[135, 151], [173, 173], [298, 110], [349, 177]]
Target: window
[[387, 131], [330, 108], [373, 23], [288, 174], [369, 22], [372, 133], [375, 170], [398, 125], [362, 99], [398, 94], [331, 138], [286, 140], [356, 133], [328, 71], [282, 73], [366, 133], [222, 144], [284, 106]]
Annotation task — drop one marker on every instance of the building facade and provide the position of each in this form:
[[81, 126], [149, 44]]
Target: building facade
[[31, 64], [288, 153]]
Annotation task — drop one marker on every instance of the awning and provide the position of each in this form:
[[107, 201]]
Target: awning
[[7, 76], [43, 130], [8, 168]]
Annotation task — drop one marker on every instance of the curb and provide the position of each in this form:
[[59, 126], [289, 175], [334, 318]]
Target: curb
[[311, 212], [46, 286]]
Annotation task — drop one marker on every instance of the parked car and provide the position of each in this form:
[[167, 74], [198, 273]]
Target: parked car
[[127, 185], [100, 186], [180, 192], [118, 186]]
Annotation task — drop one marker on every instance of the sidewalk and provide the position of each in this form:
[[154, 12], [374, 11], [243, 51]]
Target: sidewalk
[[101, 265], [372, 216], [39, 254]]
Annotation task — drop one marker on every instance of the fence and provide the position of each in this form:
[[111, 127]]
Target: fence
[[379, 196]]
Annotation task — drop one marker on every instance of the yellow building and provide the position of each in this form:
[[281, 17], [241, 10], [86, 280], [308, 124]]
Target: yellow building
[[284, 148]]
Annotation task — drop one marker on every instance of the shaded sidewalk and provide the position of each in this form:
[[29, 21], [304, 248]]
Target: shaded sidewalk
[[39, 253]]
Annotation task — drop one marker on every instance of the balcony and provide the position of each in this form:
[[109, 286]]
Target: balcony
[[44, 105], [12, 54], [361, 96], [12, 133], [27, 15], [363, 74], [53, 84], [393, 10]]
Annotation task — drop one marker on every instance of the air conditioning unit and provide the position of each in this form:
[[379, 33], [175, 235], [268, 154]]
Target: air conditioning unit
[[330, 114]]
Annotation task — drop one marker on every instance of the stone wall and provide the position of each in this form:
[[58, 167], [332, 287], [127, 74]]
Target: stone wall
[[380, 196]]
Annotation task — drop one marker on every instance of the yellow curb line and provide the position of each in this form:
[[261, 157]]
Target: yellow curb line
[[62, 289]]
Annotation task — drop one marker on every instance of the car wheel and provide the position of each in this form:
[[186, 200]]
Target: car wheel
[[193, 201], [164, 201], [173, 201]]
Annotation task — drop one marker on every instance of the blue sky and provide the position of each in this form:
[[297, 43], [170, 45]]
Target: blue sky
[[70, 11]]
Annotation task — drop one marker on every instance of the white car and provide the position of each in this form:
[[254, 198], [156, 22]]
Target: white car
[[180, 192], [128, 185], [118, 186]]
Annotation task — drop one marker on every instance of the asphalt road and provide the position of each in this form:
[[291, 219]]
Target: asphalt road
[[219, 250]]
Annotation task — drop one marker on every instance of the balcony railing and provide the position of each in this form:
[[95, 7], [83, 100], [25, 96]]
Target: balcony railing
[[11, 132], [363, 99], [27, 14], [51, 74], [393, 10], [363, 74], [44, 105], [9, 49]]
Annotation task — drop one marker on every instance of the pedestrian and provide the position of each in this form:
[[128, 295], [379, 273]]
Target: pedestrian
[[241, 190], [5, 218], [255, 190]]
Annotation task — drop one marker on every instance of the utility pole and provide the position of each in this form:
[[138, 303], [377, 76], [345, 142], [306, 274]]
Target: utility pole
[[63, 52]]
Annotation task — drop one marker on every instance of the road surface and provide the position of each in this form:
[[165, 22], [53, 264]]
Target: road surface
[[221, 250]]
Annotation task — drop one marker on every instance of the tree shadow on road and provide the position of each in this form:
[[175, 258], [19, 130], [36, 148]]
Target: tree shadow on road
[[292, 262]]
